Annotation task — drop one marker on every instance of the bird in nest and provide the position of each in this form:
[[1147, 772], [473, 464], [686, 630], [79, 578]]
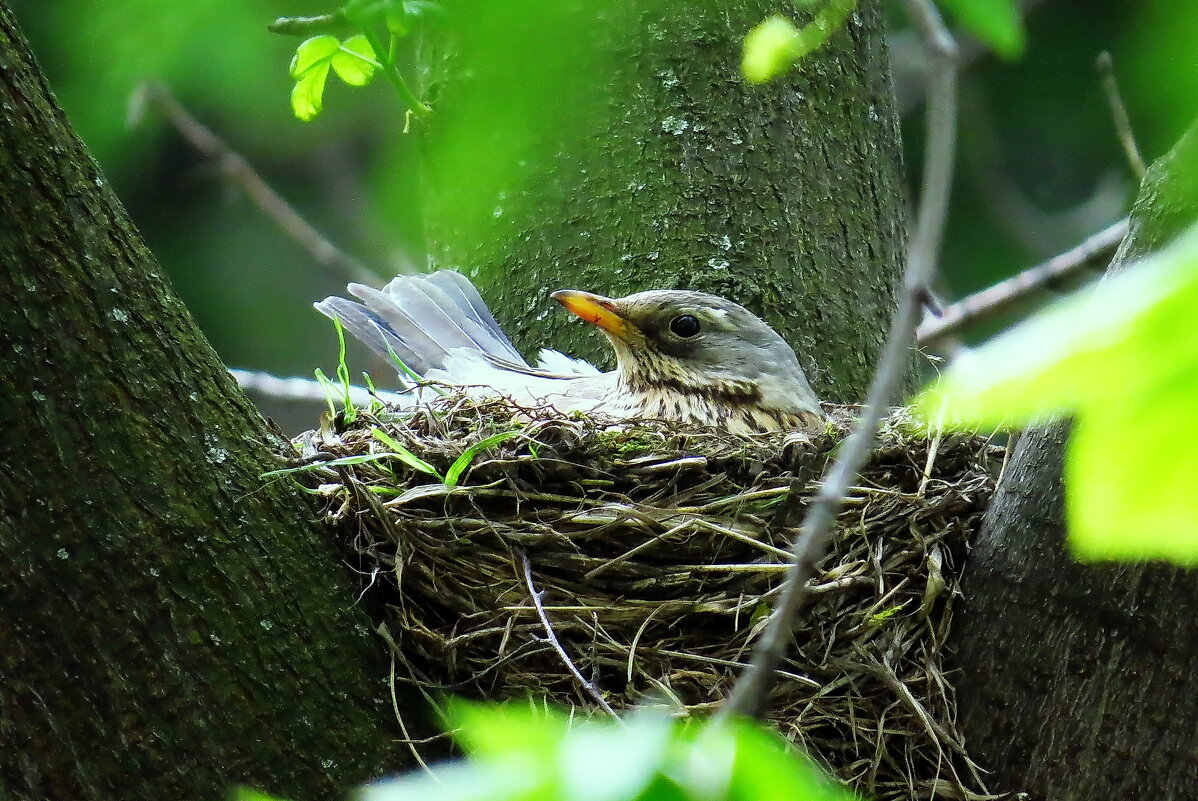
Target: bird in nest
[[680, 355]]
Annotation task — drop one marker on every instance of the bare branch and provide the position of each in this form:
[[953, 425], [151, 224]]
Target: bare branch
[[591, 689], [751, 690], [239, 172], [1009, 293], [306, 389], [1127, 137], [335, 23]]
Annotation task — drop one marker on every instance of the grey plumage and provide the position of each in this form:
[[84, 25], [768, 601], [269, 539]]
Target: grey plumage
[[422, 319]]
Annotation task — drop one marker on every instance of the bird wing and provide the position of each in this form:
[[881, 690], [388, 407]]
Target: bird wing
[[441, 329]]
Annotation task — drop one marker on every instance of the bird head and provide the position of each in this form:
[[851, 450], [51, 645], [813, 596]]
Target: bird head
[[697, 344]]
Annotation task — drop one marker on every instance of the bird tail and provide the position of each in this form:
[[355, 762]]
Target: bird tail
[[420, 319]]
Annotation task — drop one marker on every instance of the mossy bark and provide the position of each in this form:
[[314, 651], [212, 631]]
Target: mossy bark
[[785, 197], [170, 623], [1077, 681]]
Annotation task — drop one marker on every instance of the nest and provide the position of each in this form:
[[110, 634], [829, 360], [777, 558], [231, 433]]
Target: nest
[[593, 564]]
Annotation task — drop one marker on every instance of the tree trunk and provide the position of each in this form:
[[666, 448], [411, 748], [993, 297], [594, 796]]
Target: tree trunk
[[170, 623], [1078, 680], [786, 197]]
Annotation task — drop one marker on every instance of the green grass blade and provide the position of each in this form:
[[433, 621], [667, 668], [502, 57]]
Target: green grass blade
[[464, 461], [404, 455]]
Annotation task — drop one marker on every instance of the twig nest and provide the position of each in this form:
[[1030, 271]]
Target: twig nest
[[655, 552]]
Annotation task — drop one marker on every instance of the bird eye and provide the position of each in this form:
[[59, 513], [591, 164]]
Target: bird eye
[[685, 325]]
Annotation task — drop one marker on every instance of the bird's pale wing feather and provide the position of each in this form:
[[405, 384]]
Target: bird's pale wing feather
[[466, 298]]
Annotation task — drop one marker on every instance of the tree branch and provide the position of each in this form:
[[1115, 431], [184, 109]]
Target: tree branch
[[591, 689], [1127, 137], [334, 23], [307, 389], [750, 692], [240, 173], [1018, 288]]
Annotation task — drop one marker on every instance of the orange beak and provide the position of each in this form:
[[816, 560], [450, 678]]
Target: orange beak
[[594, 309]]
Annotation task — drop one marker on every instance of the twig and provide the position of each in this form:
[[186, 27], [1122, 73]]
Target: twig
[[238, 170], [1002, 296], [310, 26], [591, 689], [306, 389], [750, 692], [1127, 137]]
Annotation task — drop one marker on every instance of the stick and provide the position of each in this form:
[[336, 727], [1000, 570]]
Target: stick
[[1127, 138], [1018, 288], [306, 389], [591, 689], [310, 26], [239, 172], [751, 690]]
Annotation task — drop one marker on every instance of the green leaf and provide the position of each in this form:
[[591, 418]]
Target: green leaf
[[355, 62], [995, 22], [467, 458], [312, 54], [1122, 357], [462, 781], [775, 45], [530, 752], [768, 768], [403, 454], [307, 96], [509, 731]]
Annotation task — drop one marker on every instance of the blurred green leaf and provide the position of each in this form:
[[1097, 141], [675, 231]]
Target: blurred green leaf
[[770, 50], [775, 45], [463, 781], [356, 62], [1123, 358], [995, 22], [525, 752]]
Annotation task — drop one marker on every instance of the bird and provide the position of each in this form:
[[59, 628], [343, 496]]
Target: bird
[[681, 355]]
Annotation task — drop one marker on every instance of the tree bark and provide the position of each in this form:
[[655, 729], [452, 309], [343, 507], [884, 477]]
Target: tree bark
[[1077, 680], [170, 623], [786, 197]]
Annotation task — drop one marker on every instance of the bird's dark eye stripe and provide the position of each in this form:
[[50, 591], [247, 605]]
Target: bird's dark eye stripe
[[685, 325]]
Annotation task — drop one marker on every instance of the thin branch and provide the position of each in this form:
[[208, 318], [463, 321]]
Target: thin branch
[[591, 689], [239, 172], [752, 689], [308, 390], [1127, 137], [1018, 288], [311, 26]]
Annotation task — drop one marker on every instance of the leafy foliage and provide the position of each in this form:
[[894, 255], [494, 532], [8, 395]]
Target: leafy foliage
[[524, 752], [353, 60], [1122, 358]]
